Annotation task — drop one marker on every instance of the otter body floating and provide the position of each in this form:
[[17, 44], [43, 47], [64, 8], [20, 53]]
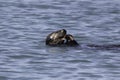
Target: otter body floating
[[60, 37]]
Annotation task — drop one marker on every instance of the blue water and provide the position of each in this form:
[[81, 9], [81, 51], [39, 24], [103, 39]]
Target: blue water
[[24, 25]]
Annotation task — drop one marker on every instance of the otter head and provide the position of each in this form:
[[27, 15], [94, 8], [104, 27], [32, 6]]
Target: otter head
[[56, 38]]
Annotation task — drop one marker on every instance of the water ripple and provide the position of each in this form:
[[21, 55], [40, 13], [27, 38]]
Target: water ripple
[[24, 25]]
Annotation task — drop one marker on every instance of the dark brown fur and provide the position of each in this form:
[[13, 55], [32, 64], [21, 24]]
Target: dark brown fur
[[60, 37]]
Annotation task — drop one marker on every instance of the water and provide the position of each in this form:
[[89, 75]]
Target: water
[[24, 25]]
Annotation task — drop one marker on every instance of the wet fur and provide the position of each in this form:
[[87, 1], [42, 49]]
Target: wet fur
[[60, 37]]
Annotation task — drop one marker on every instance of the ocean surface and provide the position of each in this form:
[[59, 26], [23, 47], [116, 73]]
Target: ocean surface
[[24, 25]]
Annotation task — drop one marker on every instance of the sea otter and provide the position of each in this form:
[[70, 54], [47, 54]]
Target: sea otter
[[60, 37]]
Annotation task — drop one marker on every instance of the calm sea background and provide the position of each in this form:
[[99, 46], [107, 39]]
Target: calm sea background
[[24, 25]]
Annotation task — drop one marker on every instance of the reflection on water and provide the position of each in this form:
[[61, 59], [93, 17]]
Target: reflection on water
[[24, 25]]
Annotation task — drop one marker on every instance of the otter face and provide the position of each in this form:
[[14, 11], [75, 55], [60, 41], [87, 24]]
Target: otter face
[[56, 38]]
